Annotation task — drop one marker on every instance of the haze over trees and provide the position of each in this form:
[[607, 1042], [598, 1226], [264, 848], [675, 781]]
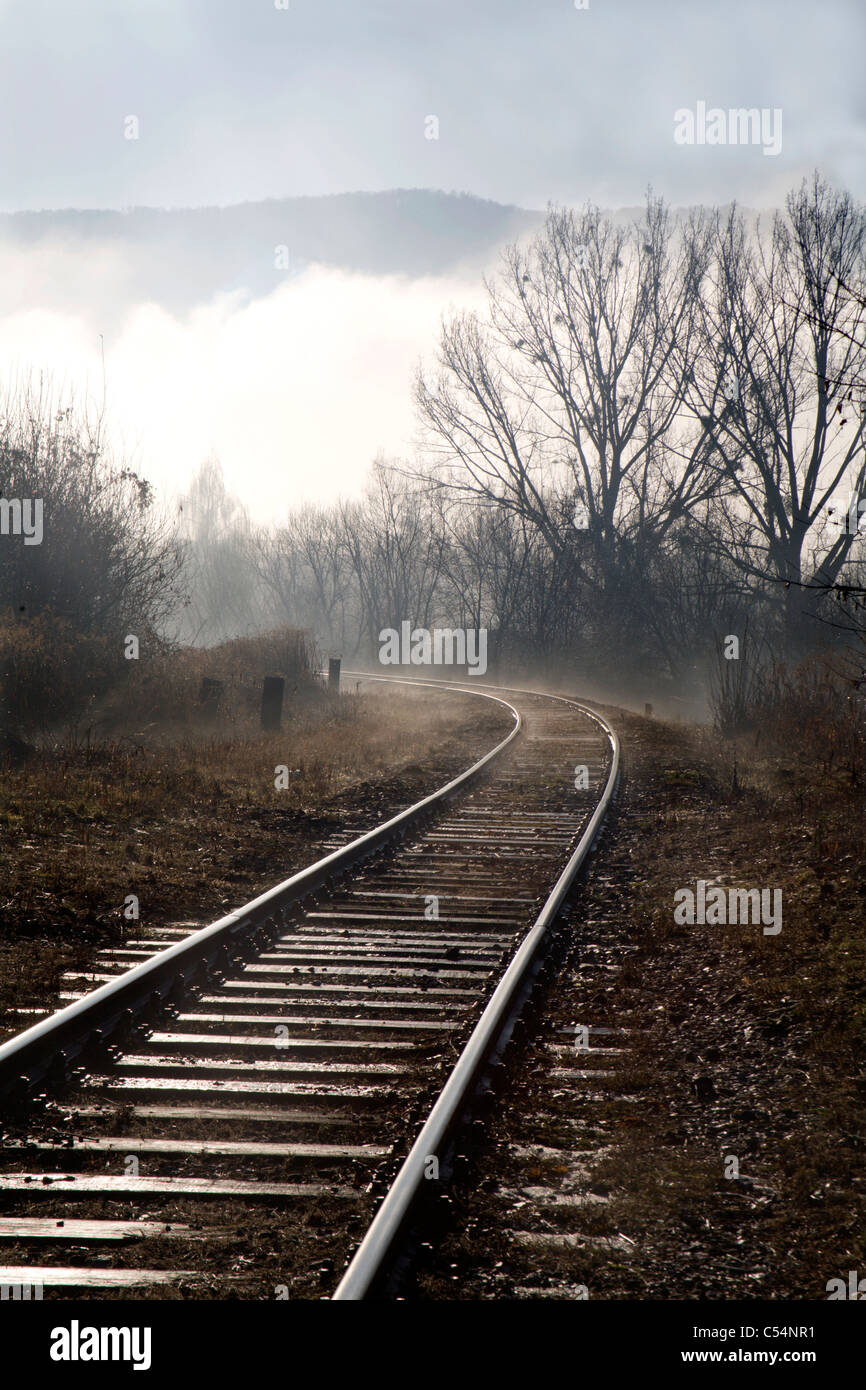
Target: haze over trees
[[647, 440]]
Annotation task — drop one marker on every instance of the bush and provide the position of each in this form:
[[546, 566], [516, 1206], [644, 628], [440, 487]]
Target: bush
[[108, 563], [48, 671], [819, 708]]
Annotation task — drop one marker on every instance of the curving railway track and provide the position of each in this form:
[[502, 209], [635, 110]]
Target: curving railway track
[[246, 1108]]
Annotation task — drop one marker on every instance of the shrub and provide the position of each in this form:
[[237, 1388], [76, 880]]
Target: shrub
[[48, 671]]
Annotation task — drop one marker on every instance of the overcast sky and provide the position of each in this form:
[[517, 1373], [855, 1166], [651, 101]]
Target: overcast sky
[[535, 101]]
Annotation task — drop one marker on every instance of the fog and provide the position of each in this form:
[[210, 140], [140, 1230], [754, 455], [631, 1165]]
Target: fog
[[296, 392]]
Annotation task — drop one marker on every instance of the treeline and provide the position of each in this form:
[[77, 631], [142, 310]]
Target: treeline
[[649, 441]]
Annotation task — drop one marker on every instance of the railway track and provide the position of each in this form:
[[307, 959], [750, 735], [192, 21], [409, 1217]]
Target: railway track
[[535, 1213], [247, 1107]]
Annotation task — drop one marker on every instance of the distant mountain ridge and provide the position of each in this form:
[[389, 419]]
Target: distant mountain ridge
[[100, 262], [180, 256]]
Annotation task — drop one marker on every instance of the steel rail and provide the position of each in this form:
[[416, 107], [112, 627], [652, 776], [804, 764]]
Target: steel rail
[[489, 1037], [29, 1055]]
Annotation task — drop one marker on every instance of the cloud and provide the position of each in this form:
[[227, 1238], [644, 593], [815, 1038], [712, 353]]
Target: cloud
[[295, 392], [536, 100]]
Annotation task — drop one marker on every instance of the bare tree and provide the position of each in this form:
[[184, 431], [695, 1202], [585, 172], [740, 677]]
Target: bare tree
[[556, 406], [782, 345], [397, 546], [224, 597], [107, 557]]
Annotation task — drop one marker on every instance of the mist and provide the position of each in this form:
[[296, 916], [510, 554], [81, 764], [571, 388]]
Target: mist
[[296, 392]]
